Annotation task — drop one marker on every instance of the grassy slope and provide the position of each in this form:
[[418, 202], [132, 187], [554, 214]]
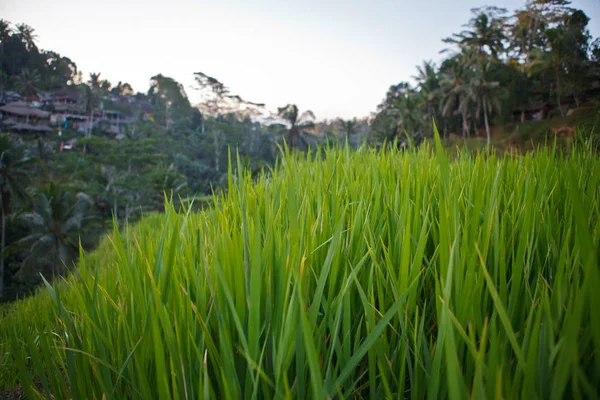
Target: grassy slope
[[360, 274], [526, 136]]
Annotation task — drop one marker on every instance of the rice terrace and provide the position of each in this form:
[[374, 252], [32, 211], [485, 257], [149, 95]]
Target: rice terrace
[[344, 275], [367, 230]]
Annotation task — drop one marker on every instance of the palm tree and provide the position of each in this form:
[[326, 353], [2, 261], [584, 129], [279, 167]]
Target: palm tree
[[13, 178], [94, 80], [25, 33], [90, 99], [455, 72], [482, 93], [57, 225], [166, 179], [297, 122], [486, 33], [110, 178], [5, 30], [408, 114], [428, 83], [27, 83], [348, 126]]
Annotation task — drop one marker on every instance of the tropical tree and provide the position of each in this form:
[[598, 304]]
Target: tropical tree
[[105, 86], [25, 33], [57, 225], [566, 59], [482, 93], [167, 180], [348, 125], [455, 73], [27, 83], [60, 71], [408, 113], [94, 80], [297, 123], [428, 84], [485, 34], [13, 180], [122, 89], [91, 100]]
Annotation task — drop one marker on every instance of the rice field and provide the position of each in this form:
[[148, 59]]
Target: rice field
[[367, 274]]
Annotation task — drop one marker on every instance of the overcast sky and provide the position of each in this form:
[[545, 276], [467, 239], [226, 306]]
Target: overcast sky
[[337, 58]]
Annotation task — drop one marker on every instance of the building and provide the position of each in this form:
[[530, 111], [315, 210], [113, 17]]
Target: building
[[21, 116], [535, 112]]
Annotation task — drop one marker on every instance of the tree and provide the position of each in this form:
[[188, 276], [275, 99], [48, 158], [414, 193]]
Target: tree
[[167, 180], [170, 99], [408, 114], [90, 102], [94, 81], [482, 93], [218, 101], [13, 178], [27, 83], [25, 33], [105, 86], [297, 122], [57, 224], [60, 71], [454, 73], [566, 59], [122, 89], [348, 126], [429, 87], [486, 35]]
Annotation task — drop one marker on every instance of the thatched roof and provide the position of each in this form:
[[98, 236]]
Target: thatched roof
[[9, 121], [31, 128], [23, 109], [66, 94]]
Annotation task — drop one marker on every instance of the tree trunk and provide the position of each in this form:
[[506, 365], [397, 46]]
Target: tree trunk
[[115, 209], [217, 150], [558, 94], [487, 125], [3, 244], [465, 124], [91, 122], [40, 147]]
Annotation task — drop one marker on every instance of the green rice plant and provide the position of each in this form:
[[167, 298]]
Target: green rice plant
[[367, 274]]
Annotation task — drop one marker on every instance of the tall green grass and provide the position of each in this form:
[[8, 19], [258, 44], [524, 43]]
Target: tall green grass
[[343, 274]]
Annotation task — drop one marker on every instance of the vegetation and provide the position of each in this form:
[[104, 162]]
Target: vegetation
[[368, 274], [501, 68], [164, 146], [320, 261]]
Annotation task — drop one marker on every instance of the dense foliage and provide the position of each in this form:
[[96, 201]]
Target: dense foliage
[[540, 60], [369, 274]]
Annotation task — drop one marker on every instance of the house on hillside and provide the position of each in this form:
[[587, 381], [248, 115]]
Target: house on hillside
[[68, 110], [24, 112], [66, 96], [535, 112], [8, 96], [22, 117]]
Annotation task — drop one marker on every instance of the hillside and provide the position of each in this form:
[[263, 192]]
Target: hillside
[[366, 274]]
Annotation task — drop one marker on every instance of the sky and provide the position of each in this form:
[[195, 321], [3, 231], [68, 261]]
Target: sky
[[336, 58]]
